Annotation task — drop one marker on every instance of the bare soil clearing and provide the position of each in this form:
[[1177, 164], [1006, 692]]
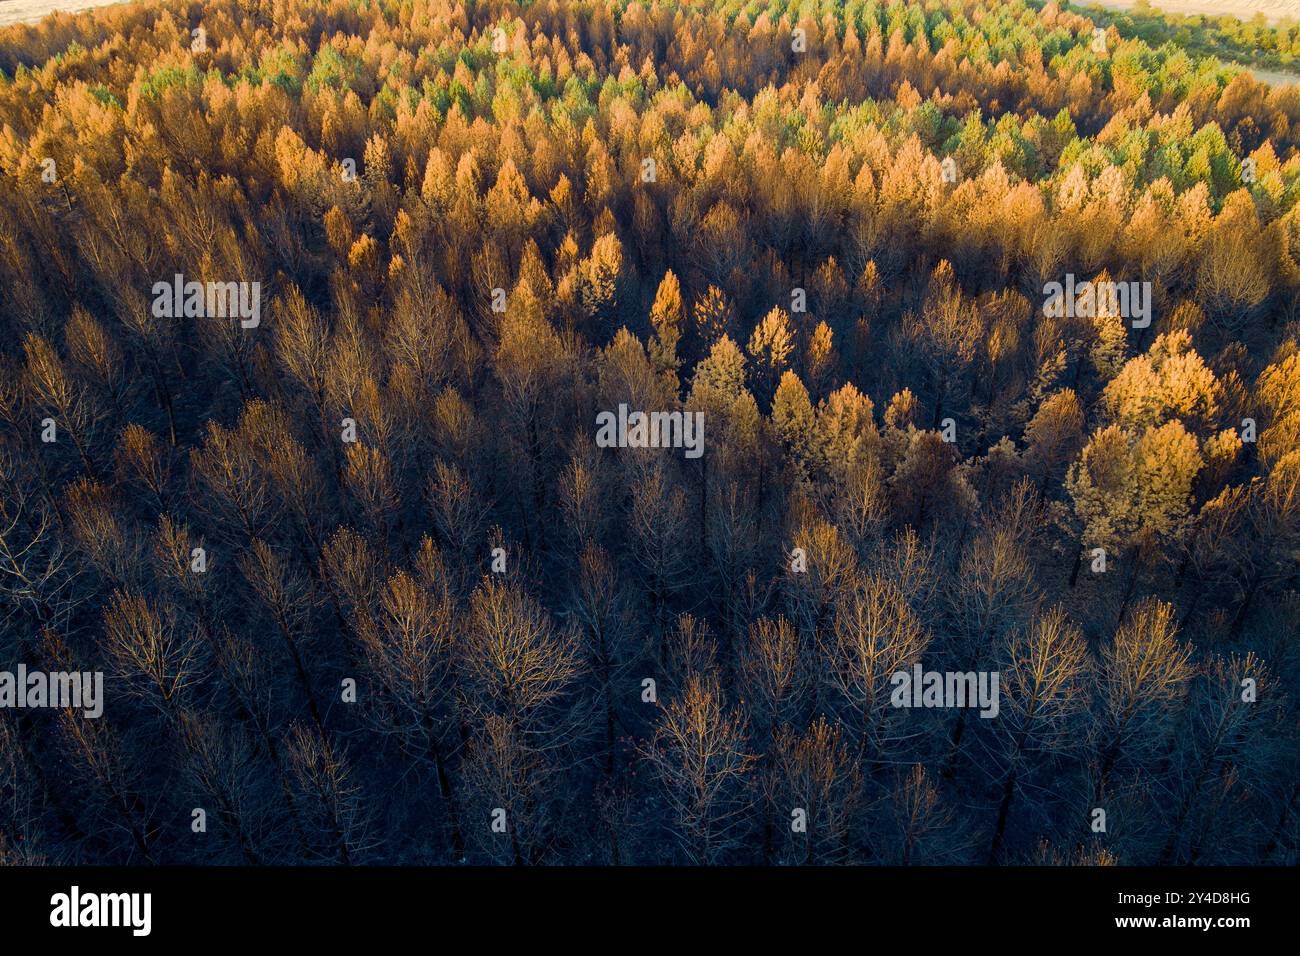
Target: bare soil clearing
[[29, 11]]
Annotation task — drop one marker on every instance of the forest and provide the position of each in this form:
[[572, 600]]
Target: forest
[[1252, 41], [325, 323]]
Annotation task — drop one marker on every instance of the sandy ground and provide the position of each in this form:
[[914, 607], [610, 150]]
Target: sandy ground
[[25, 11], [1273, 10]]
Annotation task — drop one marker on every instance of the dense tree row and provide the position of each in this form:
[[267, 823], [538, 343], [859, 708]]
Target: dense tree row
[[1254, 41], [424, 595]]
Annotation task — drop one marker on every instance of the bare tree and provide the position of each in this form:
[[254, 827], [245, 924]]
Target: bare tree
[[697, 752]]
